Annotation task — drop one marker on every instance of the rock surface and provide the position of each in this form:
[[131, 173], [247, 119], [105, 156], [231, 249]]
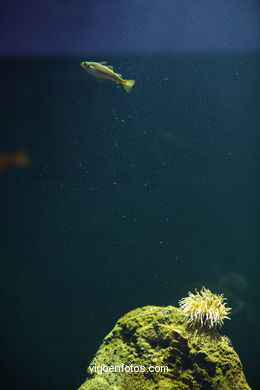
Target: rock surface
[[152, 337]]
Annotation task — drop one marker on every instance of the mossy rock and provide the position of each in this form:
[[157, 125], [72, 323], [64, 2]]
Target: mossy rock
[[152, 337]]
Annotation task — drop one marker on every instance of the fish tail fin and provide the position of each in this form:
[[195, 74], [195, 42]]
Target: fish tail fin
[[128, 85]]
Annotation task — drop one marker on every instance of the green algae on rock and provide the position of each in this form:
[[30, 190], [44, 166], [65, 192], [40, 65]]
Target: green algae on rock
[[154, 348]]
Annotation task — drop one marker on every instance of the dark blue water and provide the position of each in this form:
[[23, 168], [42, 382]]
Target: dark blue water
[[131, 199]]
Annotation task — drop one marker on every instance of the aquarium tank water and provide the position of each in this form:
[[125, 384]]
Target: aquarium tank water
[[116, 196]]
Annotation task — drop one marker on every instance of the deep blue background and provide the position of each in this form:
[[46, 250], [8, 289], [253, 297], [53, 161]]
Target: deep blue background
[[83, 27], [132, 199]]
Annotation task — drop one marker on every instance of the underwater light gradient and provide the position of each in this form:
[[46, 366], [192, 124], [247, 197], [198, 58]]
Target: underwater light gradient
[[57, 27]]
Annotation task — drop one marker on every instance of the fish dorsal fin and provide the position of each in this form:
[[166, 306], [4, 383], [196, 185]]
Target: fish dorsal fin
[[119, 75], [103, 62], [110, 67]]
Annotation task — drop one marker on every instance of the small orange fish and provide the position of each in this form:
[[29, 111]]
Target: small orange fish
[[104, 72], [16, 159]]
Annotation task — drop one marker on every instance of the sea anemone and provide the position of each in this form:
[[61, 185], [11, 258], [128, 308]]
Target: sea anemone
[[204, 308]]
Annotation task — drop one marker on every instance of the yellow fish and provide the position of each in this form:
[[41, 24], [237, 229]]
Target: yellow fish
[[104, 72]]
